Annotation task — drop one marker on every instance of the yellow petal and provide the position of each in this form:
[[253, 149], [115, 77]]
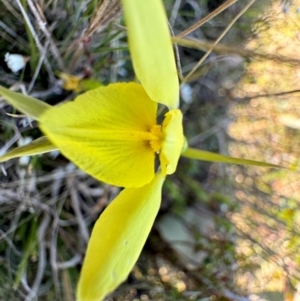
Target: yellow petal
[[173, 141], [117, 240], [106, 132], [151, 50]]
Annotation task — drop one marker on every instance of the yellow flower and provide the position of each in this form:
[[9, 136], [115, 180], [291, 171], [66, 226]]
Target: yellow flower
[[70, 82], [77, 83], [124, 139], [112, 134]]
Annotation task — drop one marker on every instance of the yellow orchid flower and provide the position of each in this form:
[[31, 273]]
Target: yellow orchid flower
[[112, 134], [115, 138]]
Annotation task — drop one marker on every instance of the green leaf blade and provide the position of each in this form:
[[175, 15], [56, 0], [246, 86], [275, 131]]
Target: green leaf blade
[[198, 154], [26, 104], [38, 146]]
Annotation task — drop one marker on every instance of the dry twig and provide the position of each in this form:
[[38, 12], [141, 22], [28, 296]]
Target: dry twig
[[207, 18], [188, 77]]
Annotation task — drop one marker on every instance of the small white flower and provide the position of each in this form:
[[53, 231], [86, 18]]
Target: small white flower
[[15, 62]]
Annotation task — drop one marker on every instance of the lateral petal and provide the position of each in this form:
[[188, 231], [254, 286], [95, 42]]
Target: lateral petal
[[105, 132], [117, 240], [151, 50]]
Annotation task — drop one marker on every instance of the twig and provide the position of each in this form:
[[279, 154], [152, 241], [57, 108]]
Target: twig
[[57, 182], [44, 29], [9, 39], [204, 135], [42, 258], [104, 13], [13, 34], [69, 263], [3, 236], [117, 56], [54, 89], [96, 19], [177, 56], [9, 143], [219, 39], [11, 9], [207, 18], [267, 95], [43, 179], [53, 254], [25, 284], [221, 48], [84, 232], [174, 12], [37, 41], [37, 69]]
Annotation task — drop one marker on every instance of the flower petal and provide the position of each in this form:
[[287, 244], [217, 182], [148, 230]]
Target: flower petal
[[117, 240], [105, 132], [151, 50], [173, 141]]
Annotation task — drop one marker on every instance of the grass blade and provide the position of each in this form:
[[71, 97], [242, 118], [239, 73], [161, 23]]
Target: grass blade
[[198, 154], [26, 104], [38, 146]]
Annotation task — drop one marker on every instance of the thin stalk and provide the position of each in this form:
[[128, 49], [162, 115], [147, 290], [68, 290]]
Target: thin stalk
[[218, 40]]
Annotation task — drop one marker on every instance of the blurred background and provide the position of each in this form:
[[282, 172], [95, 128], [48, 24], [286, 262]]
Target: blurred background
[[224, 232]]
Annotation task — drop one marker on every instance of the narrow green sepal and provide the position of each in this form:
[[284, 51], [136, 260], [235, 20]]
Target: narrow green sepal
[[38, 146], [28, 105], [198, 154]]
